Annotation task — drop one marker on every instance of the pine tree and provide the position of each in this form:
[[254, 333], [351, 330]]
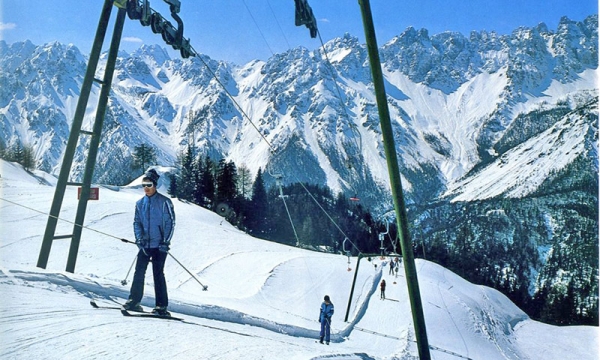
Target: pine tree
[[257, 214], [21, 154], [244, 184], [226, 181], [186, 179], [207, 181], [173, 185], [143, 156], [28, 159], [198, 194]]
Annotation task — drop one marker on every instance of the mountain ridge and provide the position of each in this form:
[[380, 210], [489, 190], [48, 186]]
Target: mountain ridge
[[296, 94]]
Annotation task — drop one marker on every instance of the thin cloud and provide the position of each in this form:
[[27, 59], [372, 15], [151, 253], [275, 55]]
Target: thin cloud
[[133, 39], [7, 26]]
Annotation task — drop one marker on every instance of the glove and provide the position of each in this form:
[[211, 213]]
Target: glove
[[163, 248]]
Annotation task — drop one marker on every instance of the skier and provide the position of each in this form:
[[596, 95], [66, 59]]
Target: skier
[[382, 287], [153, 227], [392, 266], [325, 319]]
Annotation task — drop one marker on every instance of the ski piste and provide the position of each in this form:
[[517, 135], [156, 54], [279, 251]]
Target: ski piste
[[133, 313]]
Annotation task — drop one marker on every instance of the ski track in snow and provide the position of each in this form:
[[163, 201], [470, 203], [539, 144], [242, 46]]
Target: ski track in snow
[[92, 290]]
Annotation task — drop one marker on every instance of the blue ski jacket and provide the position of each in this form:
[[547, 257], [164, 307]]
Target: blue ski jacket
[[154, 221], [326, 312]]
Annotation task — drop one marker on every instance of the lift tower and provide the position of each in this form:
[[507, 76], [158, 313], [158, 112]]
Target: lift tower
[[77, 132], [396, 185]]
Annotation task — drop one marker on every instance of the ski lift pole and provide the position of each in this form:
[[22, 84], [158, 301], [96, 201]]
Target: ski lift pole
[[360, 256], [395, 182], [279, 183], [352, 288], [286, 209], [381, 247]]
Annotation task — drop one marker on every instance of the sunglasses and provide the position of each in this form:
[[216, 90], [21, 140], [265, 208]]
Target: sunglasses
[[148, 185]]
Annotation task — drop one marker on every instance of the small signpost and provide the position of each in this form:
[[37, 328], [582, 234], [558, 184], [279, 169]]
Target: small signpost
[[94, 193]]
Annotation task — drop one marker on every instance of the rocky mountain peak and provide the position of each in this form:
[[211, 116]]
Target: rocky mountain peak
[[435, 83]]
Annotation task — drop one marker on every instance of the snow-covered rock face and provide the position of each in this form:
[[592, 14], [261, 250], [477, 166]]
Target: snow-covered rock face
[[451, 99], [524, 167]]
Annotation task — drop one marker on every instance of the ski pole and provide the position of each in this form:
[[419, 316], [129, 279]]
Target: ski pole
[[204, 287], [124, 281]]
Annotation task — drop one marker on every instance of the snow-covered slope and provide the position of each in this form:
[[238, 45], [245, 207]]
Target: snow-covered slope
[[521, 170], [262, 299]]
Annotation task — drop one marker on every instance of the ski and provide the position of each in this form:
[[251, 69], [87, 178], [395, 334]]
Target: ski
[[148, 315], [132, 313]]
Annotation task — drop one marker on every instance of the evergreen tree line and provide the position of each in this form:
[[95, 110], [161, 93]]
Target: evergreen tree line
[[143, 156], [307, 215], [540, 252], [19, 153]]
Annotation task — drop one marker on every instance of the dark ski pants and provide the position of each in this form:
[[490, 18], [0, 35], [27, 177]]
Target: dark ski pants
[[160, 285], [325, 329]]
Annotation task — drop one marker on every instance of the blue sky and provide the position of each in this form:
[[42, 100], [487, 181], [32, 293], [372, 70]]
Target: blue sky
[[243, 30]]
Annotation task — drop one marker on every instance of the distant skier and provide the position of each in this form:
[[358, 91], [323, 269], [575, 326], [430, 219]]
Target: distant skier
[[382, 287], [325, 319], [392, 266], [153, 226]]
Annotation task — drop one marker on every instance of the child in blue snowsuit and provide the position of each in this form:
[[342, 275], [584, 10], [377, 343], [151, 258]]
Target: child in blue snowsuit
[[325, 319]]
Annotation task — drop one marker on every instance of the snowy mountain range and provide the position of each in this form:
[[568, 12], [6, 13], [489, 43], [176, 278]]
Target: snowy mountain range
[[452, 99]]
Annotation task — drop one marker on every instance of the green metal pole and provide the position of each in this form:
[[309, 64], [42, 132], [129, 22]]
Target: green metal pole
[[95, 140], [394, 172], [360, 256], [352, 288], [63, 177]]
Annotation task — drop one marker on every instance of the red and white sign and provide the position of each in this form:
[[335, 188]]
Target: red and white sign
[[94, 193]]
